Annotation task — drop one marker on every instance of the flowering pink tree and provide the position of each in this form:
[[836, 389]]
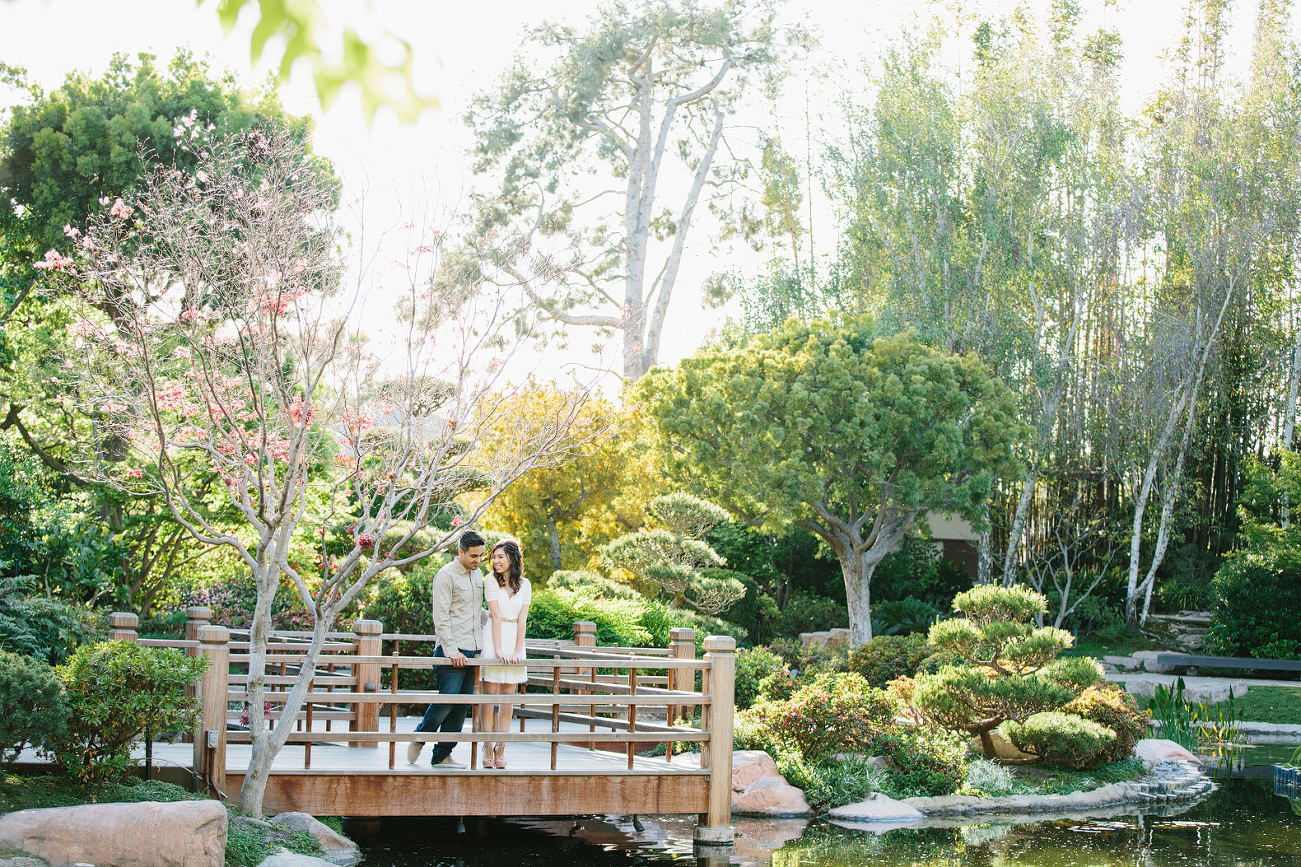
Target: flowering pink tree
[[218, 348]]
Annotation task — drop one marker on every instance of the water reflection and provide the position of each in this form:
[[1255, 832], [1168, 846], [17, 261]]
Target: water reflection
[[1242, 824]]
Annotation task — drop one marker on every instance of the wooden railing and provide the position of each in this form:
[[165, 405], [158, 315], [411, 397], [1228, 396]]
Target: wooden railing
[[628, 698]]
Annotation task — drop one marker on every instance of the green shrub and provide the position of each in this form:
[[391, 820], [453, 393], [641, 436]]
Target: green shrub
[[810, 614], [1063, 738], [35, 711], [928, 762], [553, 612], [757, 670], [116, 692], [1073, 673], [1254, 591], [808, 661], [903, 617], [1114, 708], [883, 659], [834, 713]]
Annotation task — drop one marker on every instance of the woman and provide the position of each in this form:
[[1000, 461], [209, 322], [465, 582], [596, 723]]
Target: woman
[[508, 600]]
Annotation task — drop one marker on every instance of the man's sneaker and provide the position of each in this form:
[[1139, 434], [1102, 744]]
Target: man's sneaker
[[413, 751], [448, 764]]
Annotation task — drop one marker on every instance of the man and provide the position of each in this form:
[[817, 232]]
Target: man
[[458, 600]]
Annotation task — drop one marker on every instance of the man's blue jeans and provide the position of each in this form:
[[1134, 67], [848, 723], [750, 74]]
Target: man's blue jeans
[[448, 717]]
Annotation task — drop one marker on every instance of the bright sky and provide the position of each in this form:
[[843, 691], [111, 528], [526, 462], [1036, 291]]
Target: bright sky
[[461, 48]]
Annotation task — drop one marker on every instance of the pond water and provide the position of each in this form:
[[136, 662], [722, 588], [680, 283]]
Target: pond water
[[1241, 824]]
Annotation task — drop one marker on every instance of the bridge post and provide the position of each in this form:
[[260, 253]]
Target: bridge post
[[682, 645], [720, 652], [122, 626], [367, 643], [210, 740], [195, 616]]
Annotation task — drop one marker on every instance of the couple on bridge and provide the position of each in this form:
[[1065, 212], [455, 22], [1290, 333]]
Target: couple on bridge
[[463, 632]]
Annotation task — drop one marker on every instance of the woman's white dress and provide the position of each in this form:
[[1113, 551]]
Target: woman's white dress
[[510, 607]]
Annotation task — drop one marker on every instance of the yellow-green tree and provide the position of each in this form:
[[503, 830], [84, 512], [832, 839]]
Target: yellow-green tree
[[563, 514]]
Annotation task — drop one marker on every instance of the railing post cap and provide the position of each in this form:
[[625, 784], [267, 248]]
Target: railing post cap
[[367, 627], [123, 620], [209, 634], [682, 633], [584, 627], [198, 612], [720, 644]]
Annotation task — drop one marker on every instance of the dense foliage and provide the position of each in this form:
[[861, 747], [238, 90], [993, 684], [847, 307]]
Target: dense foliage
[[118, 692], [35, 710]]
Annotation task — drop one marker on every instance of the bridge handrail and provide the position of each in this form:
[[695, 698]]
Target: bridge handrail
[[576, 681]]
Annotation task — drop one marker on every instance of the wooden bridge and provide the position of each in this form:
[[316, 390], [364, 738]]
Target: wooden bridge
[[585, 717]]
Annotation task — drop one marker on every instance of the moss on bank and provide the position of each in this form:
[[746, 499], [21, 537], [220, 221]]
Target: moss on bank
[[248, 842]]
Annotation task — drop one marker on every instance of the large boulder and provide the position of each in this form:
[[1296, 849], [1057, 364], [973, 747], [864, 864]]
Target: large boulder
[[878, 808], [22, 861], [1154, 751], [749, 766], [770, 796], [337, 848], [182, 834]]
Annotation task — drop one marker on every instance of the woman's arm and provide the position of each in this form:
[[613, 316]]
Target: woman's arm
[[519, 639], [494, 612]]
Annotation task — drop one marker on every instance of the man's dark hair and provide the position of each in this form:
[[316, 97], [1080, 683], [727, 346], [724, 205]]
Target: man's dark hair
[[470, 539]]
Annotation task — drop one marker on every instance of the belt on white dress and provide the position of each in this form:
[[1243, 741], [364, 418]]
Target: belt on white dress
[[511, 620]]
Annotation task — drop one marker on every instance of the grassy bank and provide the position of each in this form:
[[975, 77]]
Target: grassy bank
[[1280, 705], [247, 843]]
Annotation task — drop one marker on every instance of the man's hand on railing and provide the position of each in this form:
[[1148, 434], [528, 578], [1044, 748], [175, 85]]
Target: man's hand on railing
[[458, 659]]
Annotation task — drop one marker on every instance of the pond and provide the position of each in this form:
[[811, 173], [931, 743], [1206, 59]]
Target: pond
[[1241, 824]]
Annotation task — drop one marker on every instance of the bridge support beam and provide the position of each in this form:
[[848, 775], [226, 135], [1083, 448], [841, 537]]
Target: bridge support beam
[[210, 740], [720, 651], [367, 643]]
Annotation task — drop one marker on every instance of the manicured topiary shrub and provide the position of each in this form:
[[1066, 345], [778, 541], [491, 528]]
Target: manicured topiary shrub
[[1008, 671], [1063, 738], [33, 710], [118, 691], [1114, 708]]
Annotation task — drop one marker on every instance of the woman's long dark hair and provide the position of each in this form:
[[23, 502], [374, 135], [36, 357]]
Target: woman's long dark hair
[[516, 557]]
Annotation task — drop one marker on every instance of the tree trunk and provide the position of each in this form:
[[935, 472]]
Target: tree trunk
[[858, 593]]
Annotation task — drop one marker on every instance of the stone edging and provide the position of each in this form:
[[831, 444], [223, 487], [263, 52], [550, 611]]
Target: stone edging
[[1167, 781]]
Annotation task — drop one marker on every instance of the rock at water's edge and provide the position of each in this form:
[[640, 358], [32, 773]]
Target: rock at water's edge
[[771, 796], [285, 858], [149, 834], [338, 849], [749, 766], [1154, 751], [877, 808]]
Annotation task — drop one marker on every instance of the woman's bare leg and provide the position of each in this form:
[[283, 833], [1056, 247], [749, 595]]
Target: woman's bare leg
[[503, 720], [489, 723]]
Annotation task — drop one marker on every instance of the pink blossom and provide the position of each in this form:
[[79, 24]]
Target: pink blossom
[[457, 521], [70, 230], [136, 473], [53, 259], [112, 406], [121, 209]]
